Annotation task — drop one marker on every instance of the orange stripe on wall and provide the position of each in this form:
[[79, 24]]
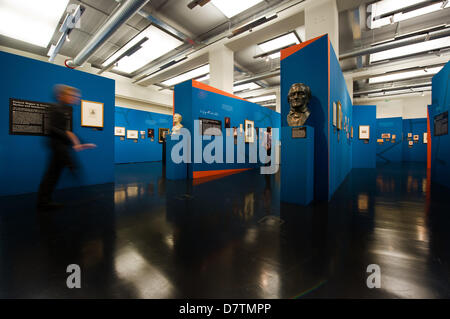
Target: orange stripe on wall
[[291, 50], [204, 87], [202, 174], [329, 98], [428, 140]]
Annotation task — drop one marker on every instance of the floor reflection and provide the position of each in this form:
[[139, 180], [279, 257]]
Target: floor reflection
[[147, 237]]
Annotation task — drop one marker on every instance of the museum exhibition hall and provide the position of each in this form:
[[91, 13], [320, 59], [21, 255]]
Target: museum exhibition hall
[[217, 149]]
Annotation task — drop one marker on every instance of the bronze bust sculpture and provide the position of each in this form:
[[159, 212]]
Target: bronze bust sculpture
[[298, 97]]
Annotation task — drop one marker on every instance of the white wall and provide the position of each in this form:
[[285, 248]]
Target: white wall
[[407, 107]]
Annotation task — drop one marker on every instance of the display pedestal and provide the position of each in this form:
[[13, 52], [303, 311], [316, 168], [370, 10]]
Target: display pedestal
[[297, 165], [174, 171]]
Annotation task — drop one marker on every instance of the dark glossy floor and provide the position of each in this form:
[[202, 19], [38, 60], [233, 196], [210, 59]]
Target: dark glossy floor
[[146, 237]]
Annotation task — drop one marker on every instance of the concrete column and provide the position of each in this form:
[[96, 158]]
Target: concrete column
[[349, 83], [278, 107], [322, 17], [221, 62]]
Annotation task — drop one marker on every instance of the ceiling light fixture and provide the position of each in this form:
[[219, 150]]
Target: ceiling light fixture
[[411, 49], [265, 98], [246, 87], [34, 22], [230, 8], [159, 43], [405, 75], [195, 73], [278, 43]]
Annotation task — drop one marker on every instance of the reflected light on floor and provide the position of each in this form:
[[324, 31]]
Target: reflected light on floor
[[119, 196], [148, 281], [269, 282]]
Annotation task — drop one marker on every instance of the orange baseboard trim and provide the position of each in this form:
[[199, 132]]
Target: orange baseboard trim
[[203, 174]]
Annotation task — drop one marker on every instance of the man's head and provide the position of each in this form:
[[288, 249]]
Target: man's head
[[177, 118], [299, 95], [67, 94]]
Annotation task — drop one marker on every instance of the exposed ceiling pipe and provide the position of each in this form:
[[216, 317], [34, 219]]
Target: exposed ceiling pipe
[[395, 44], [394, 88], [128, 9], [259, 77]]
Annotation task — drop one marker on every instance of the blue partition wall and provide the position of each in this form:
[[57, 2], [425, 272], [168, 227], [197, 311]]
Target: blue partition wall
[[418, 152], [440, 145], [389, 152], [364, 155], [23, 158], [314, 63], [127, 151], [194, 100]]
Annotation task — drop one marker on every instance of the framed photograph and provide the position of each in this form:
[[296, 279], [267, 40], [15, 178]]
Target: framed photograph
[[416, 137], [410, 143], [132, 134], [380, 141], [151, 133], [364, 132], [249, 131], [162, 134], [91, 114], [227, 122], [351, 133], [425, 138], [339, 116], [119, 131], [334, 114], [409, 135], [210, 127], [394, 136], [386, 135]]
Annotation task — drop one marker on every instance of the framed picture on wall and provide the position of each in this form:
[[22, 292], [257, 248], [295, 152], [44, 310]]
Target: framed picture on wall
[[91, 114], [364, 132], [334, 114], [425, 138], [119, 131], [416, 137], [151, 133], [162, 134], [386, 135], [351, 133], [249, 131], [409, 135], [339, 115], [132, 134]]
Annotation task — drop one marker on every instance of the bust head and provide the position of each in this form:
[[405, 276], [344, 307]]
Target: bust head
[[298, 97], [177, 118]]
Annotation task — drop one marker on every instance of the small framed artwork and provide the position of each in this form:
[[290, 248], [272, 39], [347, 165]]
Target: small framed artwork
[[351, 134], [132, 134], [249, 131], [380, 141], [151, 133], [416, 137], [425, 138], [334, 114], [339, 116], [143, 134], [162, 134], [119, 131], [364, 132], [409, 135], [394, 136], [91, 114], [386, 135], [227, 126], [410, 143]]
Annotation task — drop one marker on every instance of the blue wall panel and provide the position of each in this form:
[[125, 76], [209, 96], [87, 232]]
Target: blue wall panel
[[144, 150], [364, 155], [316, 65], [194, 103], [440, 161], [340, 140], [389, 152], [418, 152], [23, 158], [310, 66]]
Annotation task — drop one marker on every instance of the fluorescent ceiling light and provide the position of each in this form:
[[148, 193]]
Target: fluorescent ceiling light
[[203, 78], [203, 70], [245, 87], [31, 21], [278, 43], [411, 49], [262, 98], [230, 8], [158, 44], [387, 6], [405, 75], [401, 92]]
